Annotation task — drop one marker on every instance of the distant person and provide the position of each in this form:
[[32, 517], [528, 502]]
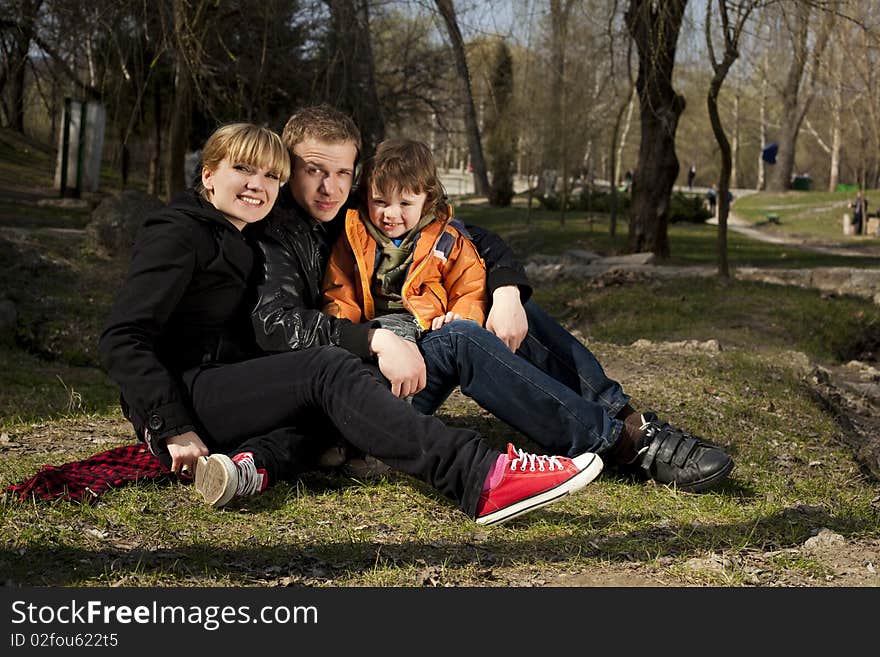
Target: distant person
[[692, 173], [627, 181], [711, 199], [859, 211]]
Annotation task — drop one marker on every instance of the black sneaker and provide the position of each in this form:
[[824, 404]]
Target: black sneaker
[[672, 456]]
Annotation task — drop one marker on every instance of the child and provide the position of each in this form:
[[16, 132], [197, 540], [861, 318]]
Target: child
[[403, 260], [179, 345]]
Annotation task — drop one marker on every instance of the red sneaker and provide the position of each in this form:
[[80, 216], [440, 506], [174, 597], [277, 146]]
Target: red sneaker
[[531, 481]]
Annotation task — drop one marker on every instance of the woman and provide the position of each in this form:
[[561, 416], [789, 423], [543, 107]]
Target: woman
[[179, 345]]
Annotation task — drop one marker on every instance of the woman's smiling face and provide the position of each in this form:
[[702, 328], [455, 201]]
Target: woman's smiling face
[[243, 192]]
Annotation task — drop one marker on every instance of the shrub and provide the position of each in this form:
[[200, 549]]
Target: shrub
[[688, 208]]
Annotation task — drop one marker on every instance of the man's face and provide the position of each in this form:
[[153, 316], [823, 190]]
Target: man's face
[[322, 176]]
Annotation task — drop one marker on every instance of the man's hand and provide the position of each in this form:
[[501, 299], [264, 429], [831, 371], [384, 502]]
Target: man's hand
[[185, 450], [400, 361], [507, 317], [437, 322]]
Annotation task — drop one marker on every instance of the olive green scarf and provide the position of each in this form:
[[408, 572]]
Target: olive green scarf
[[392, 265]]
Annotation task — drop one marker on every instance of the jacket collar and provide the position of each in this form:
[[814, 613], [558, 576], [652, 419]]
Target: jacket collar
[[290, 214], [191, 203]]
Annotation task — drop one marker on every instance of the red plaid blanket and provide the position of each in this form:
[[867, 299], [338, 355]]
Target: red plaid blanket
[[84, 481]]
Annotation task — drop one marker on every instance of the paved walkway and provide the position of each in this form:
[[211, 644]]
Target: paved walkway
[[740, 225]]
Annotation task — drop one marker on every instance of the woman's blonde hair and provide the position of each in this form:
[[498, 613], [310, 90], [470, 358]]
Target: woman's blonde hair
[[405, 165], [247, 143]]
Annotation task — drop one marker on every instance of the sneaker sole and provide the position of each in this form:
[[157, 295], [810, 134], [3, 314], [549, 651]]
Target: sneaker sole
[[591, 466], [212, 480]]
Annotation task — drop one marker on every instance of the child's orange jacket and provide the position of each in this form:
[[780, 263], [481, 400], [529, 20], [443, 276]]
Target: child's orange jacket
[[446, 275]]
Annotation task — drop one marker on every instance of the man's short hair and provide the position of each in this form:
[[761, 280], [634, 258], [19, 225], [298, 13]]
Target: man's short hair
[[323, 123]]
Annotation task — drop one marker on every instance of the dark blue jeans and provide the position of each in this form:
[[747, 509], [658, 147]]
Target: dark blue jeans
[[552, 390]]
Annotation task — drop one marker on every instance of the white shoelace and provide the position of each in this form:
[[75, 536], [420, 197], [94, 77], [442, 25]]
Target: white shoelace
[[550, 463], [249, 480]]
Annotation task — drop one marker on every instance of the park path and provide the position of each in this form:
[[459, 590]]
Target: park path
[[740, 225]]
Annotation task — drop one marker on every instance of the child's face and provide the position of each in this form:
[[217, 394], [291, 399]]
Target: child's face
[[243, 192], [397, 212]]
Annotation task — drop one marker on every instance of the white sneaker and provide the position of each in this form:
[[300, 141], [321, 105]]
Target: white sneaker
[[220, 479]]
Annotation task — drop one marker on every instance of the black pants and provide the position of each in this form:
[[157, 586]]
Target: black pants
[[277, 405]]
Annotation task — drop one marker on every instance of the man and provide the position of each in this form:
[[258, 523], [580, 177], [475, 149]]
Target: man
[[550, 364]]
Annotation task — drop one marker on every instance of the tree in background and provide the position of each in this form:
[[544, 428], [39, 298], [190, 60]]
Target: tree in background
[[808, 41], [475, 146], [654, 28], [18, 25], [732, 19], [499, 127], [350, 82]]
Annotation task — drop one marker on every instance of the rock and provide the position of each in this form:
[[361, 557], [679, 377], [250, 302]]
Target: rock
[[115, 221], [823, 540], [715, 563], [630, 259], [710, 346], [584, 257], [798, 360]]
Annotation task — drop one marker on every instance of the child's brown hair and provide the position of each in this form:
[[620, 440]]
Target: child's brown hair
[[405, 165]]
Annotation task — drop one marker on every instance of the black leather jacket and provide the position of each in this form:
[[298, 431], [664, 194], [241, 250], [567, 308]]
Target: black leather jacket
[[295, 249]]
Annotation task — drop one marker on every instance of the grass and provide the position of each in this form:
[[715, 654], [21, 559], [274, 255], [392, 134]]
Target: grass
[[807, 214], [24, 161], [740, 314], [540, 232], [793, 474]]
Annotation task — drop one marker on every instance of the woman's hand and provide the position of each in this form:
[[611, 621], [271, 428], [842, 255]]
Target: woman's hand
[[185, 450]]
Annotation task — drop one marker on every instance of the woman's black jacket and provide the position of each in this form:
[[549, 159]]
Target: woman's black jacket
[[183, 306]]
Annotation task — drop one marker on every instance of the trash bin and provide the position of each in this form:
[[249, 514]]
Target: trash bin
[[801, 183]]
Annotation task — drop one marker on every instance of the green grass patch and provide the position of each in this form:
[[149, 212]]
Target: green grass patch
[[33, 389], [24, 161], [328, 530], [737, 313], [690, 244], [809, 214], [23, 214]]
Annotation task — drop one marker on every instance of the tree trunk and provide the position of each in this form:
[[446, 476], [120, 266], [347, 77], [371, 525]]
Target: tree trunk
[[797, 93], [154, 176], [654, 27], [178, 132], [351, 83], [734, 146], [761, 181], [475, 147], [722, 198], [616, 152], [24, 31]]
